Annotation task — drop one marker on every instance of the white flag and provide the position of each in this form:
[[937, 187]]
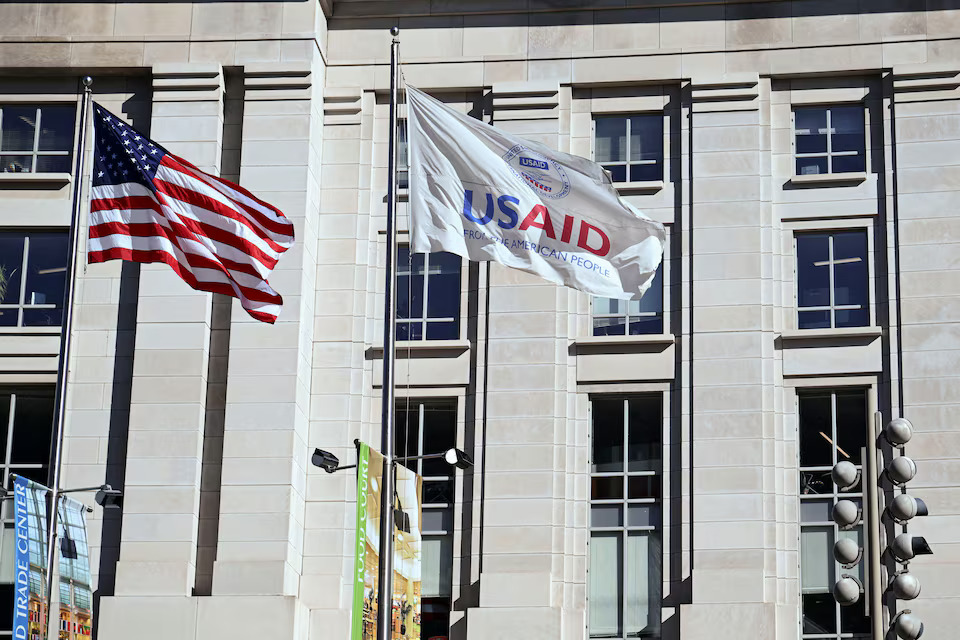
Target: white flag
[[487, 195]]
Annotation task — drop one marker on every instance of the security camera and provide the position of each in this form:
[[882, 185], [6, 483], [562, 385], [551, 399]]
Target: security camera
[[325, 460], [905, 586], [904, 507], [907, 626], [109, 498], [845, 474], [847, 552], [846, 513], [906, 546], [847, 591], [898, 431], [901, 470]]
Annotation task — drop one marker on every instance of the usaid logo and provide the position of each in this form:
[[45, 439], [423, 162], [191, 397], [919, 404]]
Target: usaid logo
[[545, 176]]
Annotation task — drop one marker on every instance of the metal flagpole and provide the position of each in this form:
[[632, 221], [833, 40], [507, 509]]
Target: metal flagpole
[[60, 408], [385, 567]]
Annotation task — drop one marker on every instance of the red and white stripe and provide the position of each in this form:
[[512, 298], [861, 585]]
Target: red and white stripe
[[215, 234]]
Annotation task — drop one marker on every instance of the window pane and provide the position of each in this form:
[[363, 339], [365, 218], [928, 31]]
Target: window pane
[[811, 130], [606, 488], [609, 326], [816, 510], [402, 149], [816, 559], [850, 276], [643, 487], [4, 423], [46, 271], [11, 269], [443, 330], [606, 515], [848, 129], [56, 128], [642, 613], [32, 423], [443, 286], [16, 164], [849, 164], [851, 318], [435, 617], [819, 613], [813, 320], [437, 520], [409, 287], [851, 425], [618, 173], [409, 330], [815, 431], [811, 166], [813, 270], [607, 306], [646, 138], [6, 602], [652, 300], [646, 326], [815, 482], [439, 435], [53, 164], [607, 435], [436, 566], [853, 619], [646, 172], [611, 142], [18, 128], [606, 577], [643, 515], [643, 436], [438, 492]]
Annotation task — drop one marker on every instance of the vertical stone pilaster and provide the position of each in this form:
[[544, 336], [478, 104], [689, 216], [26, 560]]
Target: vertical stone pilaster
[[522, 582], [732, 423], [260, 536], [169, 388]]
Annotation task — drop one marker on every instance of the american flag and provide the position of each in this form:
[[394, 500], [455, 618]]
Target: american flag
[[148, 205]]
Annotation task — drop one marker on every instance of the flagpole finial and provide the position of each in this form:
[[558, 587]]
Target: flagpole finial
[[87, 81], [394, 31]]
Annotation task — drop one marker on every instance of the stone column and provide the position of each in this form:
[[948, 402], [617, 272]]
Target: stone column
[[162, 492], [521, 582], [260, 537], [732, 385]]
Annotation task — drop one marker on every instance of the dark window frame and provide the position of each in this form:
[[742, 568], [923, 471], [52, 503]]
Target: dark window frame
[[632, 318], [625, 161], [410, 325], [8, 164], [831, 262], [21, 274], [829, 131]]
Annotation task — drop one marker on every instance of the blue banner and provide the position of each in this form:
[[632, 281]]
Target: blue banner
[[21, 602]]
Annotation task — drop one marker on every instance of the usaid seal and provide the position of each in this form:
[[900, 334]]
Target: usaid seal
[[544, 175]]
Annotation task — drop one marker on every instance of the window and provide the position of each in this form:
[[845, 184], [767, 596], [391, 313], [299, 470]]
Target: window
[[830, 140], [630, 147], [26, 421], [832, 280], [403, 158], [625, 498], [32, 274], [832, 428], [428, 296], [612, 317], [425, 427], [36, 139]]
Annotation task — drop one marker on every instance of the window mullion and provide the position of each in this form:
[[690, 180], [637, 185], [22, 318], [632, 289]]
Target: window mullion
[[426, 288], [829, 142], [833, 320], [23, 279], [420, 412], [36, 142]]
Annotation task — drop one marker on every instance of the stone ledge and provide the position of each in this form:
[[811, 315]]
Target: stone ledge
[[829, 178], [57, 179], [799, 335]]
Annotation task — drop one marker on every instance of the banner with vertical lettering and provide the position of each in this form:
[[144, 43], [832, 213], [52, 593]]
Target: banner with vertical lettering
[[405, 603], [30, 559]]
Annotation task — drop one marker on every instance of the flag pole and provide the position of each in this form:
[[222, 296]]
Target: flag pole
[[60, 408], [385, 566]]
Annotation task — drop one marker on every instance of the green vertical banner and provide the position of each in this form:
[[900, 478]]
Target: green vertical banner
[[405, 603]]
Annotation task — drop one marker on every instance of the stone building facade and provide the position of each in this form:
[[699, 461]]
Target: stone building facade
[[650, 471]]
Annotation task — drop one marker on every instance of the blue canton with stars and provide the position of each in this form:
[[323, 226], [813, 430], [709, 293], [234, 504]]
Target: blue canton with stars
[[122, 154]]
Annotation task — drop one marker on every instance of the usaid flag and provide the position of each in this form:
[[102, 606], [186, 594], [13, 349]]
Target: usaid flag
[[487, 195]]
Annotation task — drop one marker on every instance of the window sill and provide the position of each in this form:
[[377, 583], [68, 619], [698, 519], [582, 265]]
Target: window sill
[[650, 338], [31, 331], [627, 188], [59, 179], [830, 178], [798, 335], [423, 345]]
